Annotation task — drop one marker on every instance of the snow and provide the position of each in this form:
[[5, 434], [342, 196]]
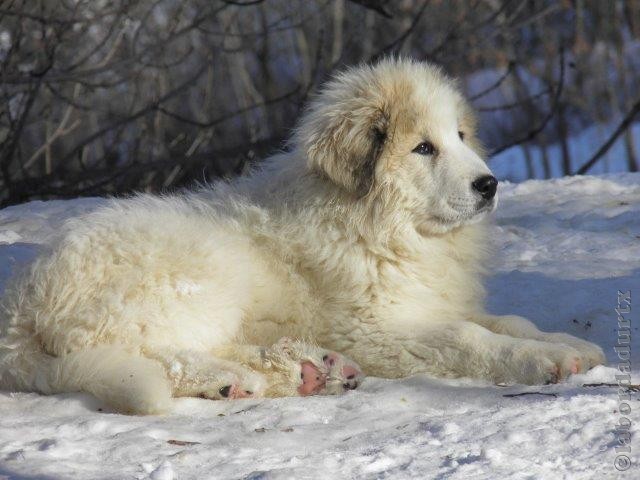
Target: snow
[[564, 247]]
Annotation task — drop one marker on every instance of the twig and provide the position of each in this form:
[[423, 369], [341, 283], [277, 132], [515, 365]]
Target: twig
[[522, 394], [153, 106], [519, 103], [624, 124], [398, 42], [91, 182], [535, 131], [182, 443], [228, 116], [377, 6], [246, 3], [498, 82], [60, 131], [631, 388]]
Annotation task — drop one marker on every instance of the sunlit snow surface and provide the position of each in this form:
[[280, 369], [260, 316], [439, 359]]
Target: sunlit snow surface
[[564, 248]]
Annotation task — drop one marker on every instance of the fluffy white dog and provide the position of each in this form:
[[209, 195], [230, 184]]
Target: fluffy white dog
[[364, 238]]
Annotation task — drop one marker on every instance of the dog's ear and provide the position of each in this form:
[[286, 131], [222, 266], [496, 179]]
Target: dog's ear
[[343, 141]]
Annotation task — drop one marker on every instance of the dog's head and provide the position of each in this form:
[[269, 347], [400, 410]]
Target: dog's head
[[400, 128]]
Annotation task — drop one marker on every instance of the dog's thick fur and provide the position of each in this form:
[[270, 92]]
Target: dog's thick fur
[[351, 239]]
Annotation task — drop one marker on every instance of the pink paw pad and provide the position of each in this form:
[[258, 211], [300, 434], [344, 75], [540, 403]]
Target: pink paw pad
[[233, 392], [575, 366], [350, 374], [313, 380]]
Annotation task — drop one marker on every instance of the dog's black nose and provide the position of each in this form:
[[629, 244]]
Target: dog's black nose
[[486, 186]]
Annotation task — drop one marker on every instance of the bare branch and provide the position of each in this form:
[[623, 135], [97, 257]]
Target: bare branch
[[522, 394], [495, 85], [228, 116], [139, 113], [130, 129], [246, 3], [398, 42], [531, 134], [519, 103], [378, 6], [624, 124]]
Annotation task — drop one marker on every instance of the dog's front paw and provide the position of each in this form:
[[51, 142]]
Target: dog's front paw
[[591, 353], [541, 363], [233, 386]]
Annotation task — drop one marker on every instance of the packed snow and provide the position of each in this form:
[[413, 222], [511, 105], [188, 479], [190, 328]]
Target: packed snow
[[564, 249]]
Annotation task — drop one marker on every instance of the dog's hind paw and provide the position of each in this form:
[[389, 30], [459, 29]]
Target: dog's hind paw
[[336, 375], [316, 371]]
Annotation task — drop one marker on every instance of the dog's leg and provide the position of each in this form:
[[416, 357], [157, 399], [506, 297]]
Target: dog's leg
[[465, 349], [288, 368], [294, 368], [520, 327]]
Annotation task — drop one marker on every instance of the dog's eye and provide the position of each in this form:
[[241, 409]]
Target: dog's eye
[[461, 135], [425, 148]]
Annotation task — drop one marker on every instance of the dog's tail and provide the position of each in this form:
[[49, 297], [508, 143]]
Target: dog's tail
[[128, 382]]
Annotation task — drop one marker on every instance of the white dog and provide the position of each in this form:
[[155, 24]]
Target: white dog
[[365, 238]]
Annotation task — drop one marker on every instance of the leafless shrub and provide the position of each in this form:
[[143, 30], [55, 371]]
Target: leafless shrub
[[111, 96]]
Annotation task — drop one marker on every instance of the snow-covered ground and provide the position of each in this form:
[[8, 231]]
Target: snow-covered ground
[[564, 249]]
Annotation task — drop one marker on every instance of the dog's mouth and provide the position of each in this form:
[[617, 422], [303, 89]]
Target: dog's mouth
[[486, 206], [457, 213], [483, 208]]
